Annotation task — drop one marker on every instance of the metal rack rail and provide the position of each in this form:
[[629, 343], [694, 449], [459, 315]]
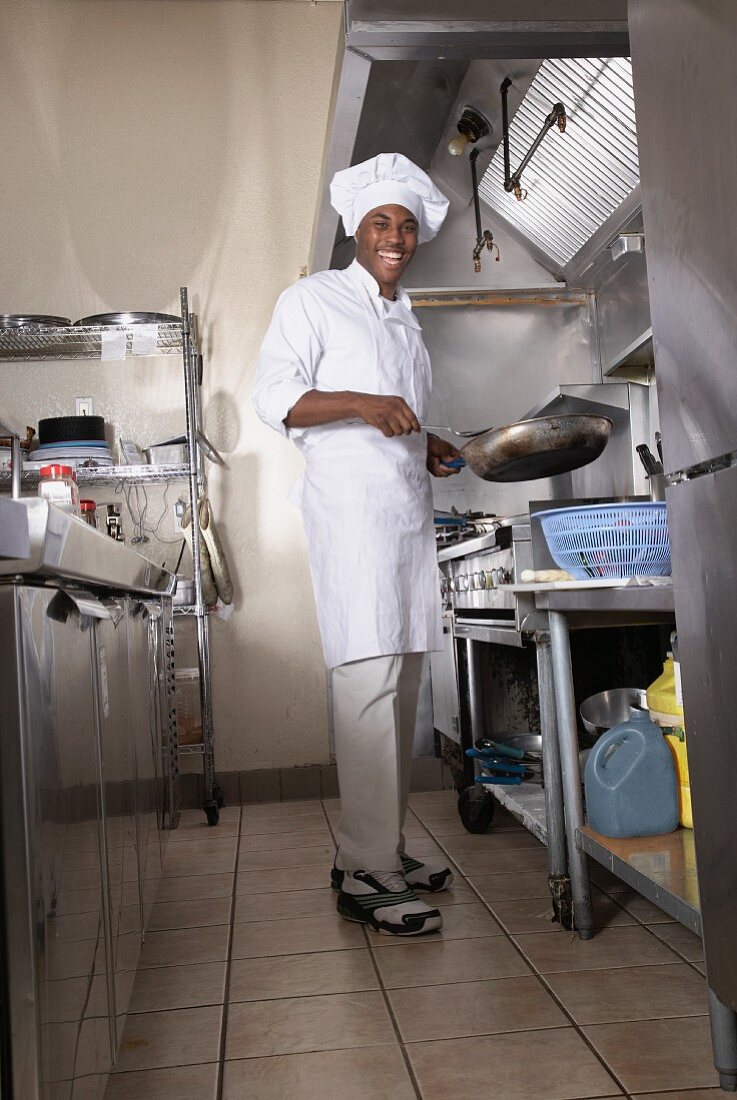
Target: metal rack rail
[[87, 342]]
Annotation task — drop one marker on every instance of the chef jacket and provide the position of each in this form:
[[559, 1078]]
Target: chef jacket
[[366, 499]]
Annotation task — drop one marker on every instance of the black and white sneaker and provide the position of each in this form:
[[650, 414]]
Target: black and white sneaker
[[431, 876], [383, 900]]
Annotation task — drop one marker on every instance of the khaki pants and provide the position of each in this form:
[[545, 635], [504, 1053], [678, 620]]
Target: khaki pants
[[374, 712]]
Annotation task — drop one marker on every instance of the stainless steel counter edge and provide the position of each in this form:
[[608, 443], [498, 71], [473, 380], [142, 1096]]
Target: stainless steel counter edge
[[64, 547]]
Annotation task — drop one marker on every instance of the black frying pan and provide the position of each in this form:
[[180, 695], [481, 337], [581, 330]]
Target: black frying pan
[[532, 449]]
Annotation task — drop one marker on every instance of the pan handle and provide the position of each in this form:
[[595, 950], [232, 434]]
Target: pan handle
[[455, 464]]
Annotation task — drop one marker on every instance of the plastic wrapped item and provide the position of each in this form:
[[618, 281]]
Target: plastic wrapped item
[[189, 714], [666, 709]]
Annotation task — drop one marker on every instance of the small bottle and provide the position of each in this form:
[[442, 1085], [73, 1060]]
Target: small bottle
[[58, 485], [88, 508]]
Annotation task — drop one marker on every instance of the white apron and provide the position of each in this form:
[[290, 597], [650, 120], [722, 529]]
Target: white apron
[[367, 501]]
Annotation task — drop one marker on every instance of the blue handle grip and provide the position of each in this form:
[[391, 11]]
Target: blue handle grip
[[502, 780], [455, 464], [496, 748]]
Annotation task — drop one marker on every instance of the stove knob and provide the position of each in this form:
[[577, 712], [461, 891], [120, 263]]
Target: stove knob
[[443, 587], [489, 578], [481, 580], [463, 583], [451, 584]]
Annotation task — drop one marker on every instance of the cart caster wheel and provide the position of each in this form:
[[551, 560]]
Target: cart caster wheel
[[476, 809], [212, 812]]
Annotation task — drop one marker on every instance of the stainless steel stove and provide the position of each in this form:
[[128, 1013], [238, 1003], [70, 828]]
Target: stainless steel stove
[[475, 558]]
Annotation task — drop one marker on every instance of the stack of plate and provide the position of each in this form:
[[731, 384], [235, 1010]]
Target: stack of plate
[[79, 452]]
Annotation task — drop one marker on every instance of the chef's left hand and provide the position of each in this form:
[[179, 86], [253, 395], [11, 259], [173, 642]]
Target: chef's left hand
[[438, 452]]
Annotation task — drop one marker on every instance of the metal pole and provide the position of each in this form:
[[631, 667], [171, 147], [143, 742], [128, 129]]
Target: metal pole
[[556, 826], [724, 1042], [570, 771], [189, 354], [15, 461]]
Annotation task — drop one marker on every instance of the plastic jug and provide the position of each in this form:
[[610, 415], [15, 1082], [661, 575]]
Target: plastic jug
[[630, 781], [667, 711]]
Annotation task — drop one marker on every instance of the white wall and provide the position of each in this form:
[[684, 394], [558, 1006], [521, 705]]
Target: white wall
[[147, 146]]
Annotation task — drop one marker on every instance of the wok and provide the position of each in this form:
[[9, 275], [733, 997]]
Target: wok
[[531, 449]]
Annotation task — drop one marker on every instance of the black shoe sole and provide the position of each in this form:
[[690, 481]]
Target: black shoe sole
[[438, 881], [350, 909]]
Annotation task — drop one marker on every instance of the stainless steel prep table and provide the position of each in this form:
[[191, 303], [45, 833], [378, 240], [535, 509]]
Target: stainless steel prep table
[[662, 869]]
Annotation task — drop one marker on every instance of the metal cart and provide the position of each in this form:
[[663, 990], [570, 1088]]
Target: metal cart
[[85, 342]]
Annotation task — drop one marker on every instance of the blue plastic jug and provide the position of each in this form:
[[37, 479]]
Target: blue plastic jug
[[630, 781]]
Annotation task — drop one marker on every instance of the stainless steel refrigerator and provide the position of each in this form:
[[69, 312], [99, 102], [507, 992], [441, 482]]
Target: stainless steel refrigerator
[[684, 56]]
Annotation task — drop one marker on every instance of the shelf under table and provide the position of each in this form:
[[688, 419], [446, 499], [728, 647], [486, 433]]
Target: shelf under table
[[661, 868], [526, 802]]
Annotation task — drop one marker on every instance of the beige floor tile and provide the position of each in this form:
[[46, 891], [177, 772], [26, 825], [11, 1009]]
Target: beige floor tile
[[459, 893], [681, 940], [281, 906], [505, 841], [189, 914], [442, 962], [631, 993], [534, 915], [186, 986], [460, 922], [264, 826], [300, 1024], [420, 800], [605, 880], [446, 826], [194, 887], [642, 909], [610, 948], [193, 826], [179, 1083], [308, 975], [322, 1076], [205, 859], [474, 1008], [289, 808], [533, 1065], [272, 842], [276, 859], [256, 939], [282, 878], [657, 1054], [183, 1037], [524, 885], [682, 1094], [425, 848], [414, 830], [185, 945], [503, 861]]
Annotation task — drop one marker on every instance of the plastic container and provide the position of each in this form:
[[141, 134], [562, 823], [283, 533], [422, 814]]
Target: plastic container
[[630, 781], [609, 540], [189, 714], [88, 509], [58, 485], [667, 712]]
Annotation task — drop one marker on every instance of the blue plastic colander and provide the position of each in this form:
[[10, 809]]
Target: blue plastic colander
[[609, 540]]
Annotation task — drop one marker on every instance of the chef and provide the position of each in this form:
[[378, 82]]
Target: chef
[[344, 373]]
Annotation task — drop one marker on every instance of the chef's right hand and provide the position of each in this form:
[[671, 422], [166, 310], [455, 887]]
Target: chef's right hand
[[391, 415]]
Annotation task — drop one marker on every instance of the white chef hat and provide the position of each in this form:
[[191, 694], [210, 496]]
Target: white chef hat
[[388, 178]]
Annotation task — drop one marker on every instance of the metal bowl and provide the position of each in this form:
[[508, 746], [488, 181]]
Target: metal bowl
[[37, 321], [607, 709], [128, 319]]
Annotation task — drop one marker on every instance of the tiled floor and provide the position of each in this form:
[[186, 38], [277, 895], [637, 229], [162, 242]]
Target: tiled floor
[[251, 987]]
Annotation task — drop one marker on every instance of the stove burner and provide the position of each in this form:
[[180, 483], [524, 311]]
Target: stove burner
[[454, 527]]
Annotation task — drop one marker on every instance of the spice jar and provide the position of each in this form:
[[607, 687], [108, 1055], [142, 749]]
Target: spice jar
[[88, 508], [58, 484]]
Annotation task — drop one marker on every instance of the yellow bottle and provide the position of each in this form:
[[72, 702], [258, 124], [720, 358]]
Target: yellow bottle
[[668, 713]]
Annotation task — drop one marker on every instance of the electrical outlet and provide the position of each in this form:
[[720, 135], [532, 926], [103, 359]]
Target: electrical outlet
[[180, 507], [84, 406]]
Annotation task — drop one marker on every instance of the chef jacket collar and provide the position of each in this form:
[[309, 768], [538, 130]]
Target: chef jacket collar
[[363, 278]]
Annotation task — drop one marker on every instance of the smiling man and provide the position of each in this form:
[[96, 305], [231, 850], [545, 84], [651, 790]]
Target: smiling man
[[345, 374]]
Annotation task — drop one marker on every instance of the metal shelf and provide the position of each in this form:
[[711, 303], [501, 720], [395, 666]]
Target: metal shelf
[[192, 750], [110, 475], [527, 803], [189, 609], [83, 342], [661, 868]]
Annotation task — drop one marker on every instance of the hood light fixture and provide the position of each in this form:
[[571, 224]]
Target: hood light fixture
[[557, 117], [626, 243]]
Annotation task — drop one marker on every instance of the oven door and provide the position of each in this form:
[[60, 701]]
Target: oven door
[[444, 674]]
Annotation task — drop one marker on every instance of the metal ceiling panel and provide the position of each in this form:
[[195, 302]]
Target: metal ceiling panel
[[575, 180]]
